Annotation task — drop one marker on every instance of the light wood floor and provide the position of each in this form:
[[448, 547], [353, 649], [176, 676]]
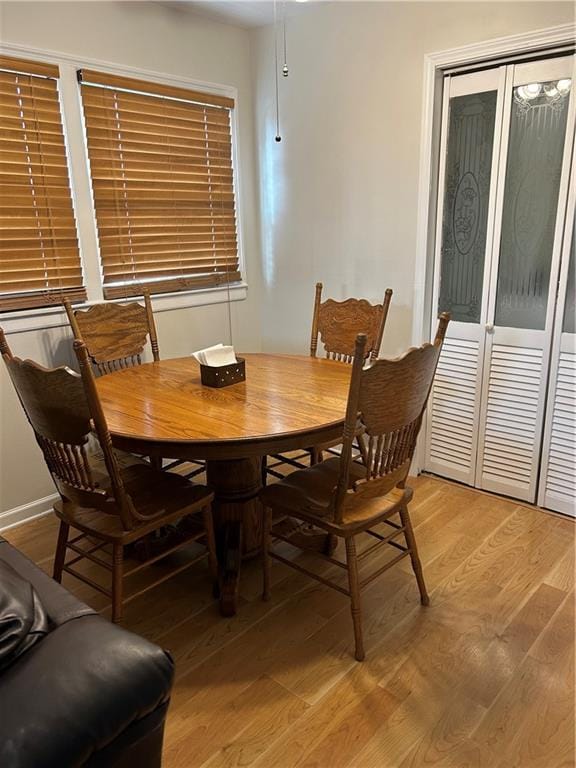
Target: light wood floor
[[482, 678]]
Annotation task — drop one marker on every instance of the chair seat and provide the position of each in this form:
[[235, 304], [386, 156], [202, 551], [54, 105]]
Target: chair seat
[[98, 465], [308, 494], [308, 490], [360, 512], [162, 496]]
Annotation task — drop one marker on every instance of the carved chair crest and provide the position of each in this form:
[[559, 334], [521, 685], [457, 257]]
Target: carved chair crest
[[338, 323], [115, 334]]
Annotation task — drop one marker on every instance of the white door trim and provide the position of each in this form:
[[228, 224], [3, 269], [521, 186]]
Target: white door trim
[[544, 40]]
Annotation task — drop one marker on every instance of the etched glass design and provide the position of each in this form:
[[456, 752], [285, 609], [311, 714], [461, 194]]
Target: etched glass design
[[569, 324], [533, 169], [465, 211]]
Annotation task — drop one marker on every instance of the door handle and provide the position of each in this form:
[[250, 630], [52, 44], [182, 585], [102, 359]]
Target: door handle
[[489, 328]]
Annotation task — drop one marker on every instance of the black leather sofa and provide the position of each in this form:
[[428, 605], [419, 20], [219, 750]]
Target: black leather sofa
[[86, 693]]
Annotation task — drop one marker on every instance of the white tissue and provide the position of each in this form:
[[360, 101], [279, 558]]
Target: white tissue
[[215, 356]]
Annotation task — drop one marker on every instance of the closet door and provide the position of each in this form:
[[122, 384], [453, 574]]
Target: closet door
[[470, 137], [530, 214], [558, 474]]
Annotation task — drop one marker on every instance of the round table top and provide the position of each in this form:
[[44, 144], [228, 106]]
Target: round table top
[[287, 402]]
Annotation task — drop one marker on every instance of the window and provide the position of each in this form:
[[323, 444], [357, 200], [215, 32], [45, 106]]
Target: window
[[109, 184], [39, 255], [162, 182]]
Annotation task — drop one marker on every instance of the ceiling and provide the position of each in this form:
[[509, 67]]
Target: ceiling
[[244, 13]]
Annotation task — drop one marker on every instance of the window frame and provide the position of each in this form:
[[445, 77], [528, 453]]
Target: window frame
[[81, 187]]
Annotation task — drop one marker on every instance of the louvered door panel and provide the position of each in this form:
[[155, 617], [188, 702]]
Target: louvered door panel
[[452, 414], [511, 443]]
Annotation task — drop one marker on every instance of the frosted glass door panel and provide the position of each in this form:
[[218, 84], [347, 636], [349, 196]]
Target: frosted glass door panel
[[465, 209], [533, 172]]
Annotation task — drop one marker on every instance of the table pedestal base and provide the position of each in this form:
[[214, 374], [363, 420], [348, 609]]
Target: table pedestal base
[[237, 520]]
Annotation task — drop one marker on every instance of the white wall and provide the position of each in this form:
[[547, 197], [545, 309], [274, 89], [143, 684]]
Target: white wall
[[166, 39], [339, 193]]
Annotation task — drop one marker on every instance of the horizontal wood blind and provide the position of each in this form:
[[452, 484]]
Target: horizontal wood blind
[[39, 256], [163, 185]]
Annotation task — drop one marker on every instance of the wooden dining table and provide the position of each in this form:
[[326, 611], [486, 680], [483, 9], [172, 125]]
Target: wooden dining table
[[287, 402]]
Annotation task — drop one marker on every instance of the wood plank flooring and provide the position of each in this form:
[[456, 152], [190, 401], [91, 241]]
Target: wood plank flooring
[[482, 678]]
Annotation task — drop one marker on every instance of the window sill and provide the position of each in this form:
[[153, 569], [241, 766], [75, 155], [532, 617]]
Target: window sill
[[25, 320]]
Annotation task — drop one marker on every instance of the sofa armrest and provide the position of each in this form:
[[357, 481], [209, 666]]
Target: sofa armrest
[[76, 691], [60, 605]]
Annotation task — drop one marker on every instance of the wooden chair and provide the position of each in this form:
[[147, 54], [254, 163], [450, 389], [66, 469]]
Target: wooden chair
[[108, 506], [115, 336], [386, 403], [337, 323]]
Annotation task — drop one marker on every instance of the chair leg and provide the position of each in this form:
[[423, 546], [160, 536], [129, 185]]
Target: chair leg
[[416, 564], [354, 584], [155, 462], [60, 556], [266, 559], [316, 456], [117, 581], [211, 547]]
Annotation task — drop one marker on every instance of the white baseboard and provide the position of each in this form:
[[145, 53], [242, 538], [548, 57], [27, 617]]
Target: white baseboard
[[26, 512]]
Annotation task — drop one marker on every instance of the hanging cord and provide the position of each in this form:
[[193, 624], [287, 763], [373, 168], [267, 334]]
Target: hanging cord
[[285, 67], [278, 137]]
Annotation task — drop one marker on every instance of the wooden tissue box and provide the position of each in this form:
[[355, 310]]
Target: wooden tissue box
[[223, 375]]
